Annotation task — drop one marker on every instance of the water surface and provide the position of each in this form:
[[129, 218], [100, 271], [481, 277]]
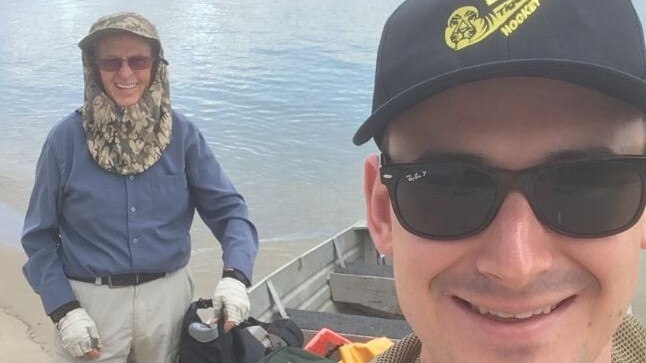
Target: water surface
[[277, 87]]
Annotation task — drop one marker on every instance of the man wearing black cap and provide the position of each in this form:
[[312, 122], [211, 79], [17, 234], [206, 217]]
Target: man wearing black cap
[[511, 186]]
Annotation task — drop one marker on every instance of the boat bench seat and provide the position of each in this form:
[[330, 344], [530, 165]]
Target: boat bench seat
[[357, 327], [368, 288]]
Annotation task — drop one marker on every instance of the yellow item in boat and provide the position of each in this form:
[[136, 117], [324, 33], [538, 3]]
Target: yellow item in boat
[[363, 352]]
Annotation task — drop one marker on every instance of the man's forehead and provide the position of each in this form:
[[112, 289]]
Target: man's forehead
[[505, 115]]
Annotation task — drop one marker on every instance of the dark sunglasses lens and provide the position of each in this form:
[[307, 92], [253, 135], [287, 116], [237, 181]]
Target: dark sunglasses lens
[[110, 65], [445, 201], [591, 199], [139, 63], [135, 63]]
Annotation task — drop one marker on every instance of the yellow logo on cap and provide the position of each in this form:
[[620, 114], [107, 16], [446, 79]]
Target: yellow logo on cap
[[466, 27]]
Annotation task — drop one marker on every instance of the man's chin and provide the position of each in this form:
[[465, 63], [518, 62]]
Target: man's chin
[[554, 336], [125, 98], [126, 101]]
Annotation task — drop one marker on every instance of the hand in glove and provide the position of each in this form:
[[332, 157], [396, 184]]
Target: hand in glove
[[232, 300], [79, 334]]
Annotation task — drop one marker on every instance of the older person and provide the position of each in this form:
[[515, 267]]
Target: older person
[[511, 187], [117, 185]]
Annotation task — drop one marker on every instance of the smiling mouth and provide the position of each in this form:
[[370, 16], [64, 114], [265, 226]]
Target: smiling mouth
[[126, 86], [512, 317]]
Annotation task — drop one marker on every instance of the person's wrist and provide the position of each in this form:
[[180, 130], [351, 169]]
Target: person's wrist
[[236, 274], [62, 310]]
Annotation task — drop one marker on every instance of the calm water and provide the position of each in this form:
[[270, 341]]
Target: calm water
[[277, 87]]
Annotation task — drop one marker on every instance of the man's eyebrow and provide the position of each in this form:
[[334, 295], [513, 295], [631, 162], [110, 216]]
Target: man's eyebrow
[[562, 155], [450, 157], [578, 154]]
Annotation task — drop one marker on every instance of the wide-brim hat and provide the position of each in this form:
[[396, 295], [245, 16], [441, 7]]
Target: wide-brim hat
[[121, 22], [429, 46]]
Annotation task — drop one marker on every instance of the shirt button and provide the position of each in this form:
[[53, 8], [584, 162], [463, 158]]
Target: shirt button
[[132, 209], [135, 240], [131, 177]]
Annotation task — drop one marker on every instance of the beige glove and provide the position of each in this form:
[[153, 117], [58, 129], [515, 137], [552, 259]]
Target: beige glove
[[232, 299], [79, 334]]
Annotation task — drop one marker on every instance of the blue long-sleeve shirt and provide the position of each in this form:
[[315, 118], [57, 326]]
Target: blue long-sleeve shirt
[[84, 221]]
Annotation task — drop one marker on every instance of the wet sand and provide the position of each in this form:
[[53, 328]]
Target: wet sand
[[26, 334]]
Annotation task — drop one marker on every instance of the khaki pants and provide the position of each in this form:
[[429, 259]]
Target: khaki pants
[[139, 324]]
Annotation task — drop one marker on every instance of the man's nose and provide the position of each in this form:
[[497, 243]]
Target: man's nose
[[125, 70], [516, 247]]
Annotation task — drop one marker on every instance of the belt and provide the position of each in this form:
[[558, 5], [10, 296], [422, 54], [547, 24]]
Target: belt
[[121, 280]]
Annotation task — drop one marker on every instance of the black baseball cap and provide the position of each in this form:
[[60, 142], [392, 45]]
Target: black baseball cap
[[428, 46]]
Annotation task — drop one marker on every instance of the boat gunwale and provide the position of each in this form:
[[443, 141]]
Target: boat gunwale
[[328, 266]]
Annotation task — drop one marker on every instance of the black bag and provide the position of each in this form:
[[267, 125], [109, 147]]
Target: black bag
[[236, 346], [281, 332]]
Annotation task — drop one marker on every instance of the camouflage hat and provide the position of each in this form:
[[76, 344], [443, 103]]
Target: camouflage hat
[[121, 21]]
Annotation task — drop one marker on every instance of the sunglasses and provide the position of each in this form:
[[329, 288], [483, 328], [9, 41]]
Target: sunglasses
[[448, 200], [136, 63]]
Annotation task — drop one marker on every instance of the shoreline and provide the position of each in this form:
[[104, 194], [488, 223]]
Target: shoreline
[[27, 334]]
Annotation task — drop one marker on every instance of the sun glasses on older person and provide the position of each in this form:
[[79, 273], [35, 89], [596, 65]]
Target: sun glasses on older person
[[136, 63], [449, 200]]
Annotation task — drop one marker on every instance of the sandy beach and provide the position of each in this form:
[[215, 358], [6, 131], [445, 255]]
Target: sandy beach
[[26, 334]]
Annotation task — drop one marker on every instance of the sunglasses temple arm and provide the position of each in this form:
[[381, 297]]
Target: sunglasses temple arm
[[384, 159]]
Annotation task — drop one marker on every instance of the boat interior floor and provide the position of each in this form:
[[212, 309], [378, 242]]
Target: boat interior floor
[[350, 325]]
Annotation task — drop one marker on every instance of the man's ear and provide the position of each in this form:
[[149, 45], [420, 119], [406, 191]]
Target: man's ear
[[378, 210]]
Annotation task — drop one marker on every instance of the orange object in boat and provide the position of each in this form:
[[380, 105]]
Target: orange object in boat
[[325, 341]]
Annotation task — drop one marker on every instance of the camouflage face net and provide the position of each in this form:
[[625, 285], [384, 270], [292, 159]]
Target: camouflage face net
[[125, 140]]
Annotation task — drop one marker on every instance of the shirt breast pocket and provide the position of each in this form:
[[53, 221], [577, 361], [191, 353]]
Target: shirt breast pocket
[[170, 196]]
